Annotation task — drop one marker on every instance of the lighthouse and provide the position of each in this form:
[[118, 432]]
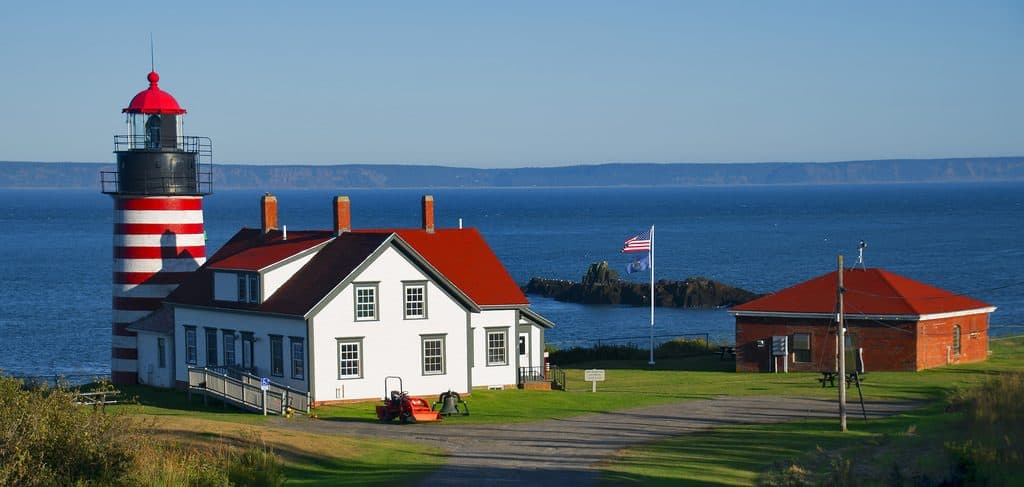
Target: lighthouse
[[158, 188]]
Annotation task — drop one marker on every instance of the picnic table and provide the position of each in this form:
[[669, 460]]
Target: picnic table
[[829, 377], [726, 351], [97, 398]]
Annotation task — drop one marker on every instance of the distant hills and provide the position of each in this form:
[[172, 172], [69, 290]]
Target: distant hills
[[85, 175]]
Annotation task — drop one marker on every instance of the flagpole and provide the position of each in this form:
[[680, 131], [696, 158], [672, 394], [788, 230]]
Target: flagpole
[[651, 362]]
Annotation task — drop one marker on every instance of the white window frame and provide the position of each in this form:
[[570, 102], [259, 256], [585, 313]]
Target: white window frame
[[249, 287], [230, 357], [347, 363], [279, 340], [298, 357], [490, 347], [373, 303], [421, 286], [191, 347], [428, 369], [211, 346]]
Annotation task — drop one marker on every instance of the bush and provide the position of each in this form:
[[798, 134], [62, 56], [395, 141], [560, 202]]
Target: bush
[[993, 453], [676, 348], [46, 439]]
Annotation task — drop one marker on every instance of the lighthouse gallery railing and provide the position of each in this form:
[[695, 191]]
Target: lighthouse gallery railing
[[202, 147]]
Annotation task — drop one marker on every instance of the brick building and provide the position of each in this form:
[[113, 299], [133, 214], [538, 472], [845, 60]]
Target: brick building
[[900, 323]]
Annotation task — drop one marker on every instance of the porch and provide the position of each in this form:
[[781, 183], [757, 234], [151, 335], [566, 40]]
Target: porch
[[541, 378]]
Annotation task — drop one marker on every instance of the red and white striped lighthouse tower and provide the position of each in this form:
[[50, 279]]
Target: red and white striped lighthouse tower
[[158, 191]]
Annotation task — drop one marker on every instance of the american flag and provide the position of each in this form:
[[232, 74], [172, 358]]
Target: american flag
[[641, 242]]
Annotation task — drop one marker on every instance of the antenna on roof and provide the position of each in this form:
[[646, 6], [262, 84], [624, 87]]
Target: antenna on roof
[[860, 254], [152, 57]]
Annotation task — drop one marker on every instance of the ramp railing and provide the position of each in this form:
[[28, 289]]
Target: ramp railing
[[234, 391], [295, 399]]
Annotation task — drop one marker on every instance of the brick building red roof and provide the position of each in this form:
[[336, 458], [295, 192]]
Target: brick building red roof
[[873, 292]]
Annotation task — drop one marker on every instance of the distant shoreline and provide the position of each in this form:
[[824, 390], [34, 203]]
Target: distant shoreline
[[85, 175]]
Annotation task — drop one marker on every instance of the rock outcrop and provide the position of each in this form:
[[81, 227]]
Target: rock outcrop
[[601, 285]]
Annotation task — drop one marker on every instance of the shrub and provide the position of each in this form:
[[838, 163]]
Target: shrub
[[46, 439], [676, 348], [993, 453]]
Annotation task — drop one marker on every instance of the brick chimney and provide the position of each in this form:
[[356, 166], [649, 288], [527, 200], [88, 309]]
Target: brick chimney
[[428, 213], [342, 215], [268, 213]]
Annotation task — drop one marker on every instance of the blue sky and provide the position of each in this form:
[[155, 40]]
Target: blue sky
[[510, 84]]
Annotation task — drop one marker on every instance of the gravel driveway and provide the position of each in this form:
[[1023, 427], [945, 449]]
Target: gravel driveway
[[564, 452]]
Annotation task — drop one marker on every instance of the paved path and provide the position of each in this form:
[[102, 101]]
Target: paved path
[[563, 452]]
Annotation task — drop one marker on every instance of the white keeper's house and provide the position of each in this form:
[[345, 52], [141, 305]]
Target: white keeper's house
[[334, 312]]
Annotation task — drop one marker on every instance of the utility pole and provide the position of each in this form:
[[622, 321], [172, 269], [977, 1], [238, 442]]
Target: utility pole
[[842, 350]]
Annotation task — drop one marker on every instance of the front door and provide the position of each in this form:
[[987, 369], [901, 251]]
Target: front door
[[524, 350]]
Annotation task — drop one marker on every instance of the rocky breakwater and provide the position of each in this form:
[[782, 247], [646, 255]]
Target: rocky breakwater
[[601, 285]]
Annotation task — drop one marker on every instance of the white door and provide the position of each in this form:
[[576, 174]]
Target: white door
[[523, 347]]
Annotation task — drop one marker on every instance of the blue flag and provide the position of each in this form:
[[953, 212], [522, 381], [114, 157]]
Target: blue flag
[[639, 265]]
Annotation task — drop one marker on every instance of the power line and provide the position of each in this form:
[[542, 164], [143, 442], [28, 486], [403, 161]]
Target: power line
[[952, 294]]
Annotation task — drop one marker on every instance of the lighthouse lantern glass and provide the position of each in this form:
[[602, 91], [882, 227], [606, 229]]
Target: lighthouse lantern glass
[[145, 130]]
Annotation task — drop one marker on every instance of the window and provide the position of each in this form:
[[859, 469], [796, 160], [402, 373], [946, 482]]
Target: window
[[248, 287], [366, 302], [350, 359], [211, 347], [276, 355], [161, 352], [801, 347], [496, 341], [229, 347], [190, 345], [522, 344], [298, 358], [956, 339], [433, 355], [415, 301]]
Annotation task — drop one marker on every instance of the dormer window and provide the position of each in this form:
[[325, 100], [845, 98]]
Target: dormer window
[[249, 287]]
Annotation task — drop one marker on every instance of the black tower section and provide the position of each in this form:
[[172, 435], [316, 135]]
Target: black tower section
[[160, 162]]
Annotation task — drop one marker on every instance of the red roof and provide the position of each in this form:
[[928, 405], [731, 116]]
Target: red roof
[[464, 257], [868, 292], [250, 250], [154, 100]]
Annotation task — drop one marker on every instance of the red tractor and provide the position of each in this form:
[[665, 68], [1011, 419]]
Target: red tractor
[[407, 409]]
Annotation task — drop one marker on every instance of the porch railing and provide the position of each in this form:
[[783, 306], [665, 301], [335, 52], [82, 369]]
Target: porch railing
[[555, 376]]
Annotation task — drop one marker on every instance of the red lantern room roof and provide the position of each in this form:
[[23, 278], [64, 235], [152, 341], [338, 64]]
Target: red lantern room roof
[[154, 100]]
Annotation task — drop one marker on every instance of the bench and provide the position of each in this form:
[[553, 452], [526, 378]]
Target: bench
[[725, 351], [829, 376]]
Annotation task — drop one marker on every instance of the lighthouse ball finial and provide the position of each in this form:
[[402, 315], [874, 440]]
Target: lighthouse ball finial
[[153, 77]]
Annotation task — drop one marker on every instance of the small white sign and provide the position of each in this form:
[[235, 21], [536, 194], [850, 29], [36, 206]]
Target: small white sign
[[264, 383], [593, 375]]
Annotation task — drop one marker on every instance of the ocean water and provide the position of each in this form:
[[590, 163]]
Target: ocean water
[[55, 249]]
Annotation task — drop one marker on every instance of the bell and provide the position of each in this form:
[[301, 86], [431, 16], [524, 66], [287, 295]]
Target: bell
[[450, 405]]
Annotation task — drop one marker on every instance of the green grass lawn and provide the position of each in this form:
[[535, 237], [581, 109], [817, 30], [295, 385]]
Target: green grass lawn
[[878, 451], [731, 456], [634, 384]]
